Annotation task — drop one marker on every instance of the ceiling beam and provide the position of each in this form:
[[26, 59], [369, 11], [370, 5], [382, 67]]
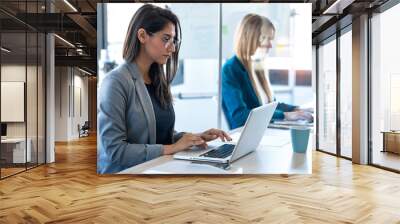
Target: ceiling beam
[[86, 26], [82, 61], [320, 22], [337, 6]]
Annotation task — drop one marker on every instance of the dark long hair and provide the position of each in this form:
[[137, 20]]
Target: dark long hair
[[153, 19]]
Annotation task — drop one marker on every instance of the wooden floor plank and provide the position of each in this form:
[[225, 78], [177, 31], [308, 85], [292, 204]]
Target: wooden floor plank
[[70, 191]]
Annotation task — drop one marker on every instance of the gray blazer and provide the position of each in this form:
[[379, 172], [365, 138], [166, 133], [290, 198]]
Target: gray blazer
[[126, 121]]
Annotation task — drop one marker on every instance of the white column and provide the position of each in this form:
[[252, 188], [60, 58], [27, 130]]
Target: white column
[[360, 90], [50, 94]]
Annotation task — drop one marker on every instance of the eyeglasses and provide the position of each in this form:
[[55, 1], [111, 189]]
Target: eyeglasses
[[167, 40]]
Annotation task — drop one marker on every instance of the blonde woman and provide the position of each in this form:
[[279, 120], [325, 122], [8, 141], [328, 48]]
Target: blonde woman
[[244, 84]]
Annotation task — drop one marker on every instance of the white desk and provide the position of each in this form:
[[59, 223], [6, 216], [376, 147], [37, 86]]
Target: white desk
[[18, 151], [273, 156]]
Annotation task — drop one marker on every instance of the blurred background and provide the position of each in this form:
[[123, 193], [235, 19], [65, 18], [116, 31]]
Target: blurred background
[[196, 85]]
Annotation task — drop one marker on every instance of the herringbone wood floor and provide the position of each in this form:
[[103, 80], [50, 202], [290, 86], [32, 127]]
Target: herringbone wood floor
[[70, 191]]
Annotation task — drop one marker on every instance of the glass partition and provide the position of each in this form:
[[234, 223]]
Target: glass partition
[[31, 98], [14, 152], [22, 89]]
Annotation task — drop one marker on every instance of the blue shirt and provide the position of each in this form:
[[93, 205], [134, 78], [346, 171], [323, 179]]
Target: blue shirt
[[239, 97]]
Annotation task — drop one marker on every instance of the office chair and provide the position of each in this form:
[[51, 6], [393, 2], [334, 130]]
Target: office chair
[[84, 130]]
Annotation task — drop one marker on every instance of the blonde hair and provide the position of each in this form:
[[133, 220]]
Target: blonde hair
[[247, 40]]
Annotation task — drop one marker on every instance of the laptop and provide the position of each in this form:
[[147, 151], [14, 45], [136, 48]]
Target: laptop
[[252, 134]]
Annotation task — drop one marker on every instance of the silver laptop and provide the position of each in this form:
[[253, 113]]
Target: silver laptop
[[252, 133]]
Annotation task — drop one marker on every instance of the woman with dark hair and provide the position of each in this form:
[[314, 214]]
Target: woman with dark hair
[[135, 112]]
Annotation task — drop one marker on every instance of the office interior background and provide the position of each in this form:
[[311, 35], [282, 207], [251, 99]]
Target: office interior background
[[27, 69], [49, 79], [46, 81]]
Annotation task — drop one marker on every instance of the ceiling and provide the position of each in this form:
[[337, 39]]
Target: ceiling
[[76, 22]]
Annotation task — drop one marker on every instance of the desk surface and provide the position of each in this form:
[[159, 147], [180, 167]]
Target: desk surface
[[273, 156]]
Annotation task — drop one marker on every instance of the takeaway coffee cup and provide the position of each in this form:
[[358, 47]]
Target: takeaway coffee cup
[[300, 136]]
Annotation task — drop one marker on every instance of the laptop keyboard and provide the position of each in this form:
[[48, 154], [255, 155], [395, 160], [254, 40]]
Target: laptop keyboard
[[220, 152]]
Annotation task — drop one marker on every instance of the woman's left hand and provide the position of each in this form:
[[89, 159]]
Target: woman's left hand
[[213, 134]]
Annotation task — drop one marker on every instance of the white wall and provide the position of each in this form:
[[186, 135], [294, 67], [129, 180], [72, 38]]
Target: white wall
[[14, 73], [33, 127], [70, 83], [61, 103], [17, 73], [80, 100]]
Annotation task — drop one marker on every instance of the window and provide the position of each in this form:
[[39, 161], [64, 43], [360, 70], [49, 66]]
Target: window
[[346, 94], [385, 84], [327, 96]]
